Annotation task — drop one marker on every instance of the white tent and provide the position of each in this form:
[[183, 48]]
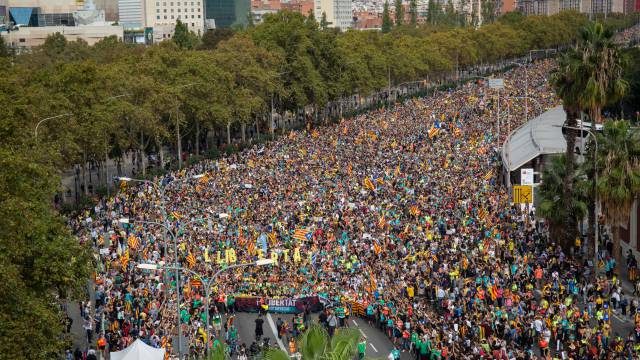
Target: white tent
[[138, 351]]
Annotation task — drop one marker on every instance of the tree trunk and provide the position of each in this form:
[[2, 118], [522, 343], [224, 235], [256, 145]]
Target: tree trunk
[[243, 129], [570, 221], [229, 133], [257, 126], [84, 173], [141, 155], [179, 142], [197, 138], [106, 170], [617, 251], [160, 152]]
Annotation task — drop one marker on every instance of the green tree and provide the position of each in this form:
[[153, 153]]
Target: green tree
[[413, 12], [213, 37], [619, 177], [567, 81], [315, 344], [387, 24], [324, 24], [604, 67], [552, 191], [5, 51], [184, 38], [399, 12]]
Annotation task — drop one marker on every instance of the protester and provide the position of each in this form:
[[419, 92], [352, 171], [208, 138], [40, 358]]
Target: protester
[[398, 210]]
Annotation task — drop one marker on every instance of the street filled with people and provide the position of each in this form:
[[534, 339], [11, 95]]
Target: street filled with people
[[401, 211]]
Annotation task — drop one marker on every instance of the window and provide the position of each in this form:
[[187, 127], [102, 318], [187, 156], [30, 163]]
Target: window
[[178, 10], [157, 3], [158, 17], [164, 3], [21, 40], [165, 10], [165, 17], [172, 4], [193, 16], [172, 17], [193, 25], [198, 16]]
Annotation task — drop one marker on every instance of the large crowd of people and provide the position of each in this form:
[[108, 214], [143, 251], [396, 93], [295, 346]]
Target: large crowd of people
[[400, 210]]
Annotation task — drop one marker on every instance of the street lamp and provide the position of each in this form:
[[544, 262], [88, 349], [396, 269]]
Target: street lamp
[[167, 228], [206, 282], [595, 167]]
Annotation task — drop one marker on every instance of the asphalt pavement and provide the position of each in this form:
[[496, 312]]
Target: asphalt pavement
[[378, 345]]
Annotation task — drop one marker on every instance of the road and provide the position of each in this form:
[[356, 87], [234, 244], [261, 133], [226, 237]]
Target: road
[[378, 345]]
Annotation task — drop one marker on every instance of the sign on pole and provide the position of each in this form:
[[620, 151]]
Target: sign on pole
[[523, 194], [496, 83], [526, 176]]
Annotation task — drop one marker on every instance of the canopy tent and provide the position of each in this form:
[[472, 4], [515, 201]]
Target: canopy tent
[[138, 351], [539, 136]]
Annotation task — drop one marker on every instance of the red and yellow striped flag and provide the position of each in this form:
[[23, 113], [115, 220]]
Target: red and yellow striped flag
[[414, 210], [133, 242], [457, 132], [482, 213], [368, 184], [433, 132], [176, 215], [488, 175], [124, 259], [191, 260], [382, 222]]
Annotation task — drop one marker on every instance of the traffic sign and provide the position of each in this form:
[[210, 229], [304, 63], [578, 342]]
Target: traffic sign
[[522, 194]]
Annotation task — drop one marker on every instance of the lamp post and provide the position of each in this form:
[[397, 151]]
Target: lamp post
[[207, 282], [167, 227], [595, 167]]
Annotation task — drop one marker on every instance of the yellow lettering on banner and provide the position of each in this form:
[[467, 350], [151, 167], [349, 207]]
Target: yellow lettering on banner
[[274, 257], [285, 252], [230, 256], [218, 258], [206, 255], [309, 257], [260, 253], [296, 255]]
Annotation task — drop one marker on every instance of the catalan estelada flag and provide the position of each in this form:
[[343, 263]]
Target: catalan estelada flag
[[414, 210], [195, 283], [368, 184], [302, 234], [433, 132], [457, 132], [482, 213], [488, 175], [133, 242], [191, 260], [176, 215]]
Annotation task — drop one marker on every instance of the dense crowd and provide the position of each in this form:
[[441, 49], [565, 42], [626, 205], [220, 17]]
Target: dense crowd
[[400, 210]]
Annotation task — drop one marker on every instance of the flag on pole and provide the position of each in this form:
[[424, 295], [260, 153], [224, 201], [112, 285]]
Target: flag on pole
[[176, 215], [133, 242], [368, 184], [433, 132], [302, 234], [191, 260], [457, 132], [414, 210], [124, 259], [482, 213], [488, 175]]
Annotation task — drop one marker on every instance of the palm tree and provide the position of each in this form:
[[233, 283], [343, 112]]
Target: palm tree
[[602, 82], [619, 177], [315, 344], [603, 65], [552, 190], [567, 81]]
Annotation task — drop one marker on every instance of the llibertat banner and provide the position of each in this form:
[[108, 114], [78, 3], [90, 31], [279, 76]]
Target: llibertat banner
[[278, 305]]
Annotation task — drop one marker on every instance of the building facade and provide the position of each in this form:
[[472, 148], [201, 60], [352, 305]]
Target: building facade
[[228, 13], [28, 37], [552, 7], [164, 14], [337, 12]]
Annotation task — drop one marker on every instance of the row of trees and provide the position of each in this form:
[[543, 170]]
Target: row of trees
[[104, 101], [590, 77]]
